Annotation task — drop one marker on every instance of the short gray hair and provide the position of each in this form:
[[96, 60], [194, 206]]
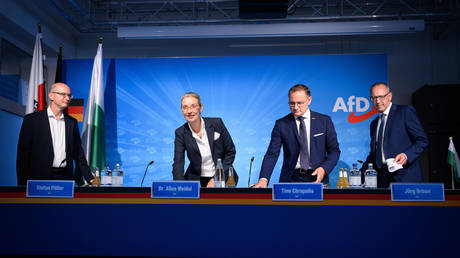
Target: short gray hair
[[380, 83]]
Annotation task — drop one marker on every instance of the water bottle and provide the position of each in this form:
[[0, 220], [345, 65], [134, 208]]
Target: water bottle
[[355, 176], [117, 176], [106, 176], [231, 183], [219, 178], [370, 177]]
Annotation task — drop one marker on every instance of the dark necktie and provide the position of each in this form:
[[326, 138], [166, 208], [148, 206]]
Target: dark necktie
[[378, 146], [304, 158]]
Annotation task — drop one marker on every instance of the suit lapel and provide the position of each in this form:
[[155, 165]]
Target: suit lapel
[[389, 122], [68, 129], [47, 133], [294, 128], [190, 141], [312, 130], [210, 133]]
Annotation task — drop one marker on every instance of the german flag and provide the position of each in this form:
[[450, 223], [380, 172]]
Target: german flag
[[75, 109]]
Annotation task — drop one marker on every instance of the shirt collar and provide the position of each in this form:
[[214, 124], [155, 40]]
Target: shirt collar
[[50, 114], [306, 115], [202, 128]]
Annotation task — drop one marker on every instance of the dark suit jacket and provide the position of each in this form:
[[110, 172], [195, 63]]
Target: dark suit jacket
[[403, 134], [222, 148], [35, 149], [324, 148]]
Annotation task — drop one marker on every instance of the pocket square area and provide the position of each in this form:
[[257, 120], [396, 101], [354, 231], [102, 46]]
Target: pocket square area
[[216, 135], [318, 134]]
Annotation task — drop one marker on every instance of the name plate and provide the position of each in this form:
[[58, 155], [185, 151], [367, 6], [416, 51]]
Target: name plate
[[297, 192], [50, 188], [417, 192], [176, 189]]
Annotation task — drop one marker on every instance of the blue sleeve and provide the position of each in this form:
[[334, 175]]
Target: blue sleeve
[[272, 154], [416, 133]]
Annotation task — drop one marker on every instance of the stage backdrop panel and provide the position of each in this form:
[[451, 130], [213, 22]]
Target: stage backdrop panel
[[142, 104]]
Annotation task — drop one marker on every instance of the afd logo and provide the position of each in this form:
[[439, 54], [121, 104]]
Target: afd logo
[[355, 104]]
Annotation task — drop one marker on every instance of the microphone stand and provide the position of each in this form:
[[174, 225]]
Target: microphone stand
[[150, 163], [250, 168]]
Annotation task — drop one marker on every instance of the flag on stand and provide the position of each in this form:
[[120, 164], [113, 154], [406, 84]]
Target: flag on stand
[[93, 132], [36, 99], [452, 160], [58, 77]]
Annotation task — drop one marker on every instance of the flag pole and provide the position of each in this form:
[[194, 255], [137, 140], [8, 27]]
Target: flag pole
[[451, 167]]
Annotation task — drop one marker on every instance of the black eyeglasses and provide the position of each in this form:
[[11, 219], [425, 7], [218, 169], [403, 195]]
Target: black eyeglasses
[[374, 98], [62, 94]]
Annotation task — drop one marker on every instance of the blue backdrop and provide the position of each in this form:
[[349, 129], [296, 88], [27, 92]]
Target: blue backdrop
[[142, 104]]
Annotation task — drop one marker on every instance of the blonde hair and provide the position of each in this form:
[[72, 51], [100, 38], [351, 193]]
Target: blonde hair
[[193, 95]]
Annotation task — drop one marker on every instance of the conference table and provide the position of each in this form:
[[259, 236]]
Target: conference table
[[227, 222]]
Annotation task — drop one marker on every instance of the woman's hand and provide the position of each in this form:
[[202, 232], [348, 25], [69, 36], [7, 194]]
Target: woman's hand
[[210, 183]]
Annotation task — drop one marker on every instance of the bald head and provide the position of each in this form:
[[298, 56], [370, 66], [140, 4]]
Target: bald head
[[59, 96], [58, 86]]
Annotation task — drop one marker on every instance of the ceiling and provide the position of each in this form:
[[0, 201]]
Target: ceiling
[[105, 16]]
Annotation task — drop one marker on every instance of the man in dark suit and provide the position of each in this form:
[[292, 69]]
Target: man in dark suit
[[205, 140], [309, 142], [49, 142], [395, 133]]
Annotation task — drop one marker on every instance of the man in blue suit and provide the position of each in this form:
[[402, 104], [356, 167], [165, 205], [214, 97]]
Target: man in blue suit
[[309, 143], [395, 133]]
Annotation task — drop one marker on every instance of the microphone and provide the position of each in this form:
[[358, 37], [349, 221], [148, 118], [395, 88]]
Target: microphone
[[250, 168], [360, 161], [150, 163]]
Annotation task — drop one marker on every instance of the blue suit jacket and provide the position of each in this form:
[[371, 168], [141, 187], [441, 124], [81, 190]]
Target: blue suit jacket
[[324, 148], [403, 134], [222, 148]]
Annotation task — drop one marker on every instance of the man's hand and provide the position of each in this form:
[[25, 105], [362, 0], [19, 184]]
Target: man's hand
[[263, 183], [401, 158], [210, 183], [95, 181], [319, 173]]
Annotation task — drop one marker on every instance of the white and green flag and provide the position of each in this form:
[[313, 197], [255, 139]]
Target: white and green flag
[[93, 132], [452, 159]]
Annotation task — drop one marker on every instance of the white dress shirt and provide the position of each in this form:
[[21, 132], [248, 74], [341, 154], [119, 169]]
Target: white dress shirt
[[207, 164], [306, 115], [57, 127], [385, 118]]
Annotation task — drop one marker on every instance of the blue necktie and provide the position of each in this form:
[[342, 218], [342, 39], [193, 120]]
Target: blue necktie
[[304, 159], [378, 146]]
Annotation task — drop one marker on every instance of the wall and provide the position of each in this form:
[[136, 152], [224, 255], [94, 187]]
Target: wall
[[413, 59]]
